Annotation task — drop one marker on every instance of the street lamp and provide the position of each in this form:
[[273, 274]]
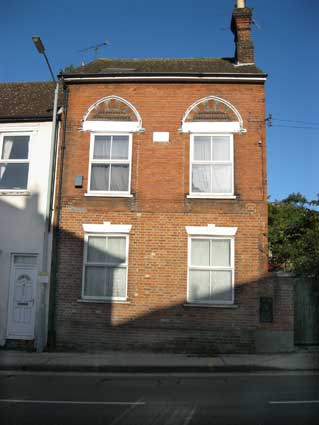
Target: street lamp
[[41, 342], [40, 48]]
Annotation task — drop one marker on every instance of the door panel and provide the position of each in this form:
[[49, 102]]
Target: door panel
[[307, 311], [21, 312]]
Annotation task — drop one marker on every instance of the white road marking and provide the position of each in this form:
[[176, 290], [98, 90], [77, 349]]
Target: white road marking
[[295, 402], [125, 403], [127, 412], [189, 416]]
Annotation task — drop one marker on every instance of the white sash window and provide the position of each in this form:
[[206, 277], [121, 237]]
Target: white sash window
[[211, 265], [14, 162], [105, 265], [110, 164], [211, 165]]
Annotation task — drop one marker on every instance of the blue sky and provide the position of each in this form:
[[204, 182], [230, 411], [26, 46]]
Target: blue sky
[[285, 41]]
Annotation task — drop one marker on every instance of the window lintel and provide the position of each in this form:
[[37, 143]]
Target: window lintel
[[107, 227], [211, 230]]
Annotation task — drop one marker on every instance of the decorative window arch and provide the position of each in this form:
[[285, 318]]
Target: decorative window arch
[[112, 114], [212, 114]]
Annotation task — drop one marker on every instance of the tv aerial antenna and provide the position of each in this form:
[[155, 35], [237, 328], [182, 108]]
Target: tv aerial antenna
[[95, 48]]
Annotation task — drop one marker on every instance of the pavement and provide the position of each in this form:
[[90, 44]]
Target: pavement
[[126, 362]]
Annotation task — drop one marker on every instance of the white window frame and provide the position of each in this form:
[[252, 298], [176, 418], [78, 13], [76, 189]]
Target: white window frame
[[105, 230], [110, 161], [211, 232], [229, 162], [15, 161]]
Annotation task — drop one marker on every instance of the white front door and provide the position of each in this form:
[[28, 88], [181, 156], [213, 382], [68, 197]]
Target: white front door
[[22, 297]]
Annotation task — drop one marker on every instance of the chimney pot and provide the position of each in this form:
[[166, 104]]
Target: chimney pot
[[241, 4]]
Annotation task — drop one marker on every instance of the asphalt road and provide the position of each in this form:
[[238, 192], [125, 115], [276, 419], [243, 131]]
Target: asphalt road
[[136, 399]]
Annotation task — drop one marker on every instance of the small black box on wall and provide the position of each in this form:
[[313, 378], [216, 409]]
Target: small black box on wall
[[266, 310]]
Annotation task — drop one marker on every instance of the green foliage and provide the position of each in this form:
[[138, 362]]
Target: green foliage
[[294, 235], [68, 69]]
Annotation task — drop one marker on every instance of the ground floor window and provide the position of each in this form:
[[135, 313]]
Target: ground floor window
[[210, 265], [105, 265]]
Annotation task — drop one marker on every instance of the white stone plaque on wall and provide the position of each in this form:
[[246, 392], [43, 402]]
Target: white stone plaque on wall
[[161, 136]]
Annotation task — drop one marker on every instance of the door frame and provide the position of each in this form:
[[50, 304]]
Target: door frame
[[33, 267]]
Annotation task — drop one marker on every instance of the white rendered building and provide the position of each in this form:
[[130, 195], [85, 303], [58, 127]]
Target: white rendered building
[[25, 242]]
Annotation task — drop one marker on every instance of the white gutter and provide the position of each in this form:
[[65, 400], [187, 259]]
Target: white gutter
[[165, 78]]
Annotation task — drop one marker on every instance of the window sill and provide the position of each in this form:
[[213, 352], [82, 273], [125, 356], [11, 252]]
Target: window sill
[[96, 301], [233, 306], [211, 196], [15, 193], [109, 195]]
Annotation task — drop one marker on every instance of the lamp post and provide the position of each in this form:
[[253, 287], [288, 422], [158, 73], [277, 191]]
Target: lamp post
[[40, 48], [42, 334]]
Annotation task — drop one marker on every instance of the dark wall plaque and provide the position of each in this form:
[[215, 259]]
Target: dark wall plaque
[[266, 310]]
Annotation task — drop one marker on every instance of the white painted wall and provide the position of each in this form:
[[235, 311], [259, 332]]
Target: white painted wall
[[22, 214]]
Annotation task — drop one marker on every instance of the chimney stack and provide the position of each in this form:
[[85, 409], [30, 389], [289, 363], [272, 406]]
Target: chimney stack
[[240, 26]]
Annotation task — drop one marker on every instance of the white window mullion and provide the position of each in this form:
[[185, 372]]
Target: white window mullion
[[212, 151], [117, 161], [106, 274], [111, 148], [198, 162], [110, 176], [222, 268], [210, 286], [204, 268]]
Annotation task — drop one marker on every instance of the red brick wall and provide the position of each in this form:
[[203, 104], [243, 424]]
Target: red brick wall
[[241, 27], [155, 315], [281, 290]]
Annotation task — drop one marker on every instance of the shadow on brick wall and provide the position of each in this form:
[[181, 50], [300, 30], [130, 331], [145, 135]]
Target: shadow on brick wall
[[157, 322], [151, 318]]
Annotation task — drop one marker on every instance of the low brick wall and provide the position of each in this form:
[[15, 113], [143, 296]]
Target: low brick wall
[[276, 335], [165, 340]]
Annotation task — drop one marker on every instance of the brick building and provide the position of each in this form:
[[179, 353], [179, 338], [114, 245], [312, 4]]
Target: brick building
[[162, 220]]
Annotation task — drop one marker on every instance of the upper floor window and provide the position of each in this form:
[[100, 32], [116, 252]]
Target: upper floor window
[[14, 162], [212, 167], [110, 164], [212, 122], [111, 120]]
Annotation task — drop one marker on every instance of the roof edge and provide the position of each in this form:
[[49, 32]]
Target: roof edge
[[148, 74], [189, 76], [26, 119]]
